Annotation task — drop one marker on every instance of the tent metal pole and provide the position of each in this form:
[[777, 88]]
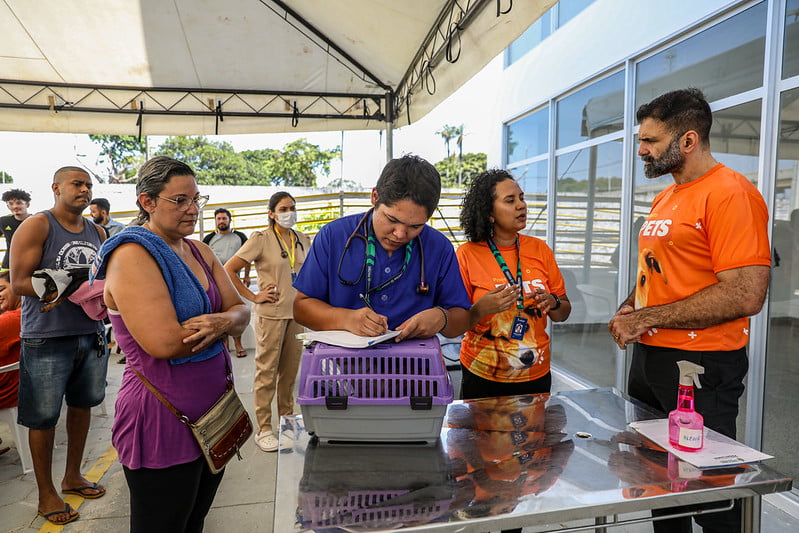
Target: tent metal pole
[[389, 141], [390, 107]]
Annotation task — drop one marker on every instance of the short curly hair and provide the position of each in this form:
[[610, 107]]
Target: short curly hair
[[16, 194], [478, 203]]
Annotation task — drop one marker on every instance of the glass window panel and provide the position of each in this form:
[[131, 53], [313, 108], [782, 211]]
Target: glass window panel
[[593, 111], [537, 32], [790, 51], [782, 373], [723, 60], [568, 9], [533, 180], [528, 137], [586, 238]]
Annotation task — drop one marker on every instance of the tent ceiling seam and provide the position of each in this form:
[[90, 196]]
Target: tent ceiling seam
[[364, 72]]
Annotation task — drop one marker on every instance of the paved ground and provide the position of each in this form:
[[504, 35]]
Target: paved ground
[[245, 501]]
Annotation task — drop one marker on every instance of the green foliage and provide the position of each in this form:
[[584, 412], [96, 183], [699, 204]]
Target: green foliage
[[448, 133], [314, 220], [470, 164], [5, 177], [126, 153], [217, 163]]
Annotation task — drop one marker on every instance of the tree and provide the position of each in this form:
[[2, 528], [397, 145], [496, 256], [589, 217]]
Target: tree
[[217, 163], [299, 163], [125, 153], [449, 133], [5, 177], [469, 165]]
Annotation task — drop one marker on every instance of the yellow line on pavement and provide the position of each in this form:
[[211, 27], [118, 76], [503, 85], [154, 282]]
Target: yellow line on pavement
[[94, 475]]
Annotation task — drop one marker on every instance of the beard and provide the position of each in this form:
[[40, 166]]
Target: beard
[[222, 226], [98, 220], [671, 160]]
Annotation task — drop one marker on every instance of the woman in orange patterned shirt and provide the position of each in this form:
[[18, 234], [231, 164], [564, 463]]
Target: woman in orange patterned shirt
[[514, 284]]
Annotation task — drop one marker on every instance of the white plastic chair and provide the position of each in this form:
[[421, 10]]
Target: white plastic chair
[[9, 415]]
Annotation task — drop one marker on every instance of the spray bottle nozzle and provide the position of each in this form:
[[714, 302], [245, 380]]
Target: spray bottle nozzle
[[689, 373]]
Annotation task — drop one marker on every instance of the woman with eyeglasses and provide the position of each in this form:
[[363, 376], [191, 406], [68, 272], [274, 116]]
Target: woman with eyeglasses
[[278, 253], [170, 303], [515, 286]]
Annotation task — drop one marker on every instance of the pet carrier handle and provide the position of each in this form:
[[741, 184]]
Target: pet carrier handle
[[421, 403], [336, 403]]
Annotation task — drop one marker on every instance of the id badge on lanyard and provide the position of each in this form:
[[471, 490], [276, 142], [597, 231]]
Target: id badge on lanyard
[[520, 323]]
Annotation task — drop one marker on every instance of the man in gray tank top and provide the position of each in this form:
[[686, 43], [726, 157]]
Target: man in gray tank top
[[63, 353]]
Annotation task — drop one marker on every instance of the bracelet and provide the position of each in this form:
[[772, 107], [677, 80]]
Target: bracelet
[[557, 302], [446, 318]]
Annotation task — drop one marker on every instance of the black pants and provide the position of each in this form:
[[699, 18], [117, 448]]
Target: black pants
[[654, 378], [171, 500], [473, 386]]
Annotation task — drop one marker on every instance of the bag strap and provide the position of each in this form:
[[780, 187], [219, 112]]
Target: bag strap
[[180, 416]]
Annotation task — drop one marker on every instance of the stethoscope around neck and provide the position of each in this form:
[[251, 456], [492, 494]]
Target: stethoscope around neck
[[362, 232], [283, 252]]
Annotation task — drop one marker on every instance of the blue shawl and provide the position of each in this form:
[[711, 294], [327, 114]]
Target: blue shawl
[[188, 295]]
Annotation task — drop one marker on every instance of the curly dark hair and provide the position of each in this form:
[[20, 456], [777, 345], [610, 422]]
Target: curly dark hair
[[16, 194], [479, 202]]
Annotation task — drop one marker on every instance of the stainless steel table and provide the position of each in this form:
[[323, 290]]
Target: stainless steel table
[[504, 463]]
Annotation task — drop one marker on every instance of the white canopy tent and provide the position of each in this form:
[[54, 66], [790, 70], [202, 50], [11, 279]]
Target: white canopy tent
[[197, 67]]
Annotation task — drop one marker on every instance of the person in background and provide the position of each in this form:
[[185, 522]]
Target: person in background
[[18, 202], [10, 305], [100, 208], [703, 269], [171, 304], [386, 268], [224, 242], [9, 344], [278, 253], [64, 354], [516, 287]]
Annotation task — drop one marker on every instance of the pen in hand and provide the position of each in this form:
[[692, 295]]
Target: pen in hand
[[366, 302]]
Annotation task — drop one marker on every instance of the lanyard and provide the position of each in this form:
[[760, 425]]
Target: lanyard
[[371, 244], [505, 270], [290, 250]]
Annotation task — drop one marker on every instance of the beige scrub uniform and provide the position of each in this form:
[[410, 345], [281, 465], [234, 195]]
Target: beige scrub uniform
[[278, 350]]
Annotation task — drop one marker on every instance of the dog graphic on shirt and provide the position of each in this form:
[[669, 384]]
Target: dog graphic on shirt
[[648, 268], [501, 351]]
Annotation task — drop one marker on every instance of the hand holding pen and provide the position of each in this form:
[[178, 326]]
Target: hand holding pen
[[366, 321]]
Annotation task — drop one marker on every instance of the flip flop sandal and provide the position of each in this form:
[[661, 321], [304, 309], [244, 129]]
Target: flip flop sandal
[[84, 491], [241, 353], [67, 510]]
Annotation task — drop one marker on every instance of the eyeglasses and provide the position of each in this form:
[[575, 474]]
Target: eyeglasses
[[182, 203]]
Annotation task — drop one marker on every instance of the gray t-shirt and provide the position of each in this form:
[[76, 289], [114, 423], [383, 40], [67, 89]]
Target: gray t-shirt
[[225, 245]]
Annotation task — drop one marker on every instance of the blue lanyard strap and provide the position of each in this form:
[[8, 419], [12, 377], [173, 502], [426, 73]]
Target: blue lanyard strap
[[505, 270], [371, 246]]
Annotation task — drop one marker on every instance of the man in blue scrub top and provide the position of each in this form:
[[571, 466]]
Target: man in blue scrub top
[[386, 269]]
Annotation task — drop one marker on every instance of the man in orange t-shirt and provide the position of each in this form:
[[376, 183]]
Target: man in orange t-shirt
[[703, 269]]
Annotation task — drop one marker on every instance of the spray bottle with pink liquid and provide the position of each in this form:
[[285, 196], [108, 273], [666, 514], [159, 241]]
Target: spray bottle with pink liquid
[[686, 426]]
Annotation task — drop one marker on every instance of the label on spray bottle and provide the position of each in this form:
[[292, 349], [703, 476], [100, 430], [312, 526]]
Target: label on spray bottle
[[690, 438]]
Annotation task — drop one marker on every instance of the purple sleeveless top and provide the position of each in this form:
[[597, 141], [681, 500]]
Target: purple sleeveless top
[[145, 433]]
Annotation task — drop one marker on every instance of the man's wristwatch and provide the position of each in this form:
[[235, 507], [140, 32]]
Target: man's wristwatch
[[557, 302]]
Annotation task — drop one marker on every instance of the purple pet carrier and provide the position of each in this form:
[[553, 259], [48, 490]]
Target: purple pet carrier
[[393, 392]]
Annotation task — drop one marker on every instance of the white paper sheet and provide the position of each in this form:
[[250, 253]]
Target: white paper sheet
[[345, 339], [718, 450]]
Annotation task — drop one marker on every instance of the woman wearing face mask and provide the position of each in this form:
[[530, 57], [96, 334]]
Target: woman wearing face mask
[[278, 254]]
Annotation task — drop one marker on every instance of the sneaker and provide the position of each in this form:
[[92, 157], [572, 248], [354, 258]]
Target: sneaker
[[266, 441], [286, 439]]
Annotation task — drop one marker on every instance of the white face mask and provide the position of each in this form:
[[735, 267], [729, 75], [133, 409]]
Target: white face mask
[[287, 219]]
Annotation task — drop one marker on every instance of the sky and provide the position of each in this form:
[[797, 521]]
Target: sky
[[31, 158]]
